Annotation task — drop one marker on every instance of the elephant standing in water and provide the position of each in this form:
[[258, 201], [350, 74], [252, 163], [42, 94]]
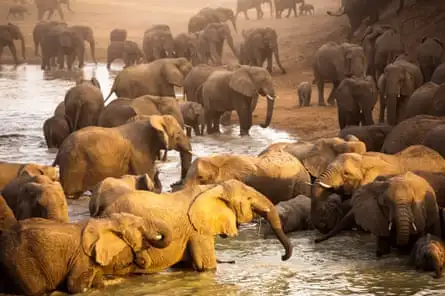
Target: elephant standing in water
[[11, 170], [56, 129], [211, 42], [118, 35], [194, 117], [245, 5], [208, 16], [127, 50], [157, 43], [41, 29], [9, 33], [430, 54], [186, 45]]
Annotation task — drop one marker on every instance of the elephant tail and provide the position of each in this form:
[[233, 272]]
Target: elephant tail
[[76, 118]]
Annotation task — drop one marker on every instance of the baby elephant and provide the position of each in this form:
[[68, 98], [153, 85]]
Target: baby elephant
[[306, 8], [55, 130], [127, 50], [429, 254], [304, 94], [193, 114]]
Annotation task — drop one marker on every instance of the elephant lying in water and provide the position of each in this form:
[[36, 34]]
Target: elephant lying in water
[[10, 170], [428, 254]]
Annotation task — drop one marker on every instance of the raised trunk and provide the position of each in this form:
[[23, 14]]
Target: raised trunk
[[270, 106], [403, 225]]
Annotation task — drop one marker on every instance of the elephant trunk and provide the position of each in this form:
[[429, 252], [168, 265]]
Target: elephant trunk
[[233, 20], [160, 235], [186, 161], [270, 106], [22, 42], [232, 46], [403, 225], [93, 50]]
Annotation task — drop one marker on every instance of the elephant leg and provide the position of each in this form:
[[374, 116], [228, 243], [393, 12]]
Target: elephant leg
[[289, 11], [245, 118], [1, 52], [70, 60], [50, 14], [61, 61], [382, 101], [245, 14], [320, 86], [392, 111], [196, 130], [215, 120], [13, 52], [367, 117], [59, 10], [188, 131], [202, 250], [269, 62], [81, 55], [331, 98], [209, 122], [341, 118], [383, 246], [40, 13]]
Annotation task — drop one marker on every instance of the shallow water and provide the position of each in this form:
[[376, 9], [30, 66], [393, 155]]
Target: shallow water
[[345, 265]]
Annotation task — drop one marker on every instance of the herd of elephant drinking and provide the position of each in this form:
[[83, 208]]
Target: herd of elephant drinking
[[387, 179]]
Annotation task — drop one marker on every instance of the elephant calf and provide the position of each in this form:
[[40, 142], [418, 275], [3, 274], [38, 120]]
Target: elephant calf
[[56, 129], [127, 50], [10, 170], [304, 91], [193, 114], [428, 254]]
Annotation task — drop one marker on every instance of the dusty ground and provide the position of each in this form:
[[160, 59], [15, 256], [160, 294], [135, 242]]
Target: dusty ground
[[299, 38]]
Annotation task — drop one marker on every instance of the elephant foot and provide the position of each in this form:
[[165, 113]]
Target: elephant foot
[[323, 104], [244, 133]]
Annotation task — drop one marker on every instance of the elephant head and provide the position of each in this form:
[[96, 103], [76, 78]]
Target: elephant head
[[118, 35], [12, 32], [164, 105], [175, 70], [215, 34], [33, 169], [224, 14], [235, 203], [355, 62], [88, 35]]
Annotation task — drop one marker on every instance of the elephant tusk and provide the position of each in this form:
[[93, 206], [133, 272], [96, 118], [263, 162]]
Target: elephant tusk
[[270, 98], [414, 227], [324, 185], [390, 226], [158, 237]]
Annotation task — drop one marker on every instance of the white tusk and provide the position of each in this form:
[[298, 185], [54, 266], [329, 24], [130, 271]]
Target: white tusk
[[270, 98], [390, 226], [414, 227], [324, 185], [158, 237], [193, 153], [189, 126]]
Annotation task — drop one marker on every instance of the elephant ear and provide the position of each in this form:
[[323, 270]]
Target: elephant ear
[[350, 147], [144, 182], [241, 82], [172, 74], [408, 86], [158, 124], [318, 158]]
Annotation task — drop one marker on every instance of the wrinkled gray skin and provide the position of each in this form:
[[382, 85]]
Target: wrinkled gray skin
[[118, 35], [83, 104], [304, 91], [157, 43], [372, 135], [208, 16], [439, 74], [333, 62], [290, 5], [245, 5], [9, 33], [55, 130], [435, 139], [421, 101], [194, 117], [430, 53], [127, 50], [186, 45], [411, 131], [40, 29], [428, 254]]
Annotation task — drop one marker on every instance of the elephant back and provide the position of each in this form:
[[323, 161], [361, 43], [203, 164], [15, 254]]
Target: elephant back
[[434, 139], [420, 157], [117, 113]]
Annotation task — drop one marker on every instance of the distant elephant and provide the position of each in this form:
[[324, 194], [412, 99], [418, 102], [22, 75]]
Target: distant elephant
[[118, 35], [421, 101], [236, 90], [157, 78], [83, 104], [48, 5], [56, 129], [439, 74], [194, 117], [208, 15], [428, 253], [307, 9], [372, 135], [398, 82], [304, 91], [157, 43], [17, 10], [245, 5], [290, 5], [356, 99], [334, 62], [186, 45], [9, 33], [211, 41], [40, 30], [434, 139], [430, 54], [85, 157], [258, 46], [39, 256], [36, 197], [127, 50], [85, 33], [204, 212], [10, 170]]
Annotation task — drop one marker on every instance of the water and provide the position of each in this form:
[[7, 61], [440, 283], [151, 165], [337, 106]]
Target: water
[[344, 265]]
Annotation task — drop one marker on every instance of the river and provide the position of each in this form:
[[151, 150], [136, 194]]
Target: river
[[344, 265]]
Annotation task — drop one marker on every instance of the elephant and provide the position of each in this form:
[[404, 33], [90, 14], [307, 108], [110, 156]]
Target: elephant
[[118, 35], [186, 45], [157, 43], [36, 196], [116, 113], [211, 41], [39, 256], [433, 139], [428, 254], [258, 46], [304, 91], [157, 78], [421, 101], [83, 104], [85, 34], [17, 10], [9, 33], [48, 5], [430, 53], [356, 98], [10, 170], [60, 109], [439, 74], [208, 16], [110, 189], [236, 90], [398, 82], [41, 29], [372, 135], [290, 5], [245, 5], [411, 131], [306, 8], [194, 117], [85, 157], [56, 129], [7, 220], [127, 50], [198, 214], [334, 62]]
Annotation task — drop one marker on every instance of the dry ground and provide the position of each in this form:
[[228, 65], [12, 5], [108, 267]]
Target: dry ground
[[299, 38]]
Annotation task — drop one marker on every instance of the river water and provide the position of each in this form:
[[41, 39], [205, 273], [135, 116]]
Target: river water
[[344, 265]]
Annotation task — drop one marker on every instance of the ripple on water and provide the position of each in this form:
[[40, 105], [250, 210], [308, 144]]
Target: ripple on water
[[344, 265]]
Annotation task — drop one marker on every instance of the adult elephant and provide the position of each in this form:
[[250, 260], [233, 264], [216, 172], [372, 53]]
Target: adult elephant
[[421, 101], [83, 104], [40, 256], [290, 5], [11, 170], [190, 212], [258, 46], [127, 50], [208, 16], [56, 43], [334, 62], [236, 90], [372, 135], [85, 34], [211, 41], [398, 82], [439, 74], [245, 5], [55, 130], [118, 35], [157, 78], [50, 6], [430, 53], [157, 43], [356, 98], [40, 30], [434, 139], [85, 157], [9, 33], [186, 45]]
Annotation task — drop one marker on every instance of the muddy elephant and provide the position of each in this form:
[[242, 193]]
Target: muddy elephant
[[235, 202], [439, 74], [36, 197], [430, 53], [211, 42], [55, 130], [290, 5], [398, 82], [372, 135], [41, 29], [157, 43], [304, 91], [186, 45], [428, 254], [157, 78], [334, 62], [258, 46], [208, 16], [83, 104], [9, 33], [434, 139], [194, 117], [127, 50], [236, 90], [421, 101], [118, 35], [245, 5], [40, 256], [85, 157], [10, 170]]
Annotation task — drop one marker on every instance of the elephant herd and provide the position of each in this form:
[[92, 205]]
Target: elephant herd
[[280, 5]]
